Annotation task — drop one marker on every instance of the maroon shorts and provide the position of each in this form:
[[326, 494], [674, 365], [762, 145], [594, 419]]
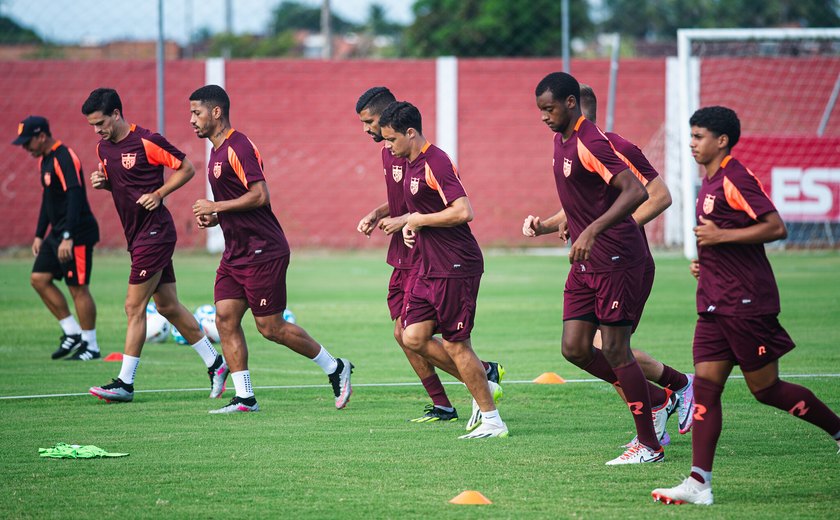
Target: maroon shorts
[[647, 287], [263, 285], [146, 261], [398, 288], [612, 296], [749, 341], [450, 302]]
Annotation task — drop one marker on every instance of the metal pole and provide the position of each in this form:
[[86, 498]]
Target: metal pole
[[829, 107], [161, 111], [616, 43], [326, 30], [565, 15]]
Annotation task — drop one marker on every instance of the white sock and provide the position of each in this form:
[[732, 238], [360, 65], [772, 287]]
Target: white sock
[[492, 418], [70, 326], [206, 351], [325, 360], [707, 475], [242, 383], [90, 337], [129, 369]]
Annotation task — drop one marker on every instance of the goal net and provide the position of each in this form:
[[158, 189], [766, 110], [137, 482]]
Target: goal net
[[784, 86]]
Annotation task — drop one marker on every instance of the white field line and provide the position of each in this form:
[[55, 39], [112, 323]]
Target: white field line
[[359, 385]]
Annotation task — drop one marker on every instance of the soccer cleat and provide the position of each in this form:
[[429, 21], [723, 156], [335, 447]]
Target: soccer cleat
[[434, 413], [340, 381], [660, 416], [485, 431], [689, 492], [239, 404], [83, 353], [664, 441], [638, 454], [218, 377], [685, 405], [475, 417], [115, 391], [69, 342], [496, 372]]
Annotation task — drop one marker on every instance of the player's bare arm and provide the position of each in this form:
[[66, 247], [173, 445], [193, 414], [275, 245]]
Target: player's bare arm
[[458, 212], [390, 225], [370, 221], [632, 195], [659, 200], [534, 226], [181, 176], [36, 245], [256, 197], [769, 227], [694, 268], [98, 179]]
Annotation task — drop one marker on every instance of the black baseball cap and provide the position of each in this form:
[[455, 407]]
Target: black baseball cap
[[30, 127]]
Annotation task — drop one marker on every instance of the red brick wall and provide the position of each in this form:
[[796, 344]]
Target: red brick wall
[[324, 173]]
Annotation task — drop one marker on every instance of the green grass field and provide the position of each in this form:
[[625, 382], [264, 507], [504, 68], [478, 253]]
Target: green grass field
[[300, 458]]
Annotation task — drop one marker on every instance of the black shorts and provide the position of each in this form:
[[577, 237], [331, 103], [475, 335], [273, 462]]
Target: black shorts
[[75, 272]]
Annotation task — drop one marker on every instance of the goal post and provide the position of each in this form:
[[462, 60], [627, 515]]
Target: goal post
[[784, 85]]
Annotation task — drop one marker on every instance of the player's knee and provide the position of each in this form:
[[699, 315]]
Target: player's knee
[[768, 395], [134, 311], [273, 331], [575, 353], [39, 282], [168, 309], [412, 340]]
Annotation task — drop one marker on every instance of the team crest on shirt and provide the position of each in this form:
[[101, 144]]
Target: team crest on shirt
[[396, 173], [567, 167], [129, 160], [217, 169], [709, 203], [415, 185], [47, 179]]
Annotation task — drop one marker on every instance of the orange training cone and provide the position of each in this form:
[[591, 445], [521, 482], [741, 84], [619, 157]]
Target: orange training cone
[[114, 356], [470, 498], [549, 378]]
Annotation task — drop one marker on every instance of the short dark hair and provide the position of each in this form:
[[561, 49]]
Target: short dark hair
[[401, 115], [214, 96], [718, 120], [104, 100], [561, 85], [375, 99], [588, 102]]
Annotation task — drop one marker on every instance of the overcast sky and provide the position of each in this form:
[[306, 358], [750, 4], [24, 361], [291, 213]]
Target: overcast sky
[[94, 21]]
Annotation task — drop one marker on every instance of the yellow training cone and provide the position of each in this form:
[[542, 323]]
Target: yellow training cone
[[549, 378], [470, 498]]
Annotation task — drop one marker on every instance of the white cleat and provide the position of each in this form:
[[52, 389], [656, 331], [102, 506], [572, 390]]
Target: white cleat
[[660, 419], [685, 403], [475, 417], [638, 454], [486, 431], [689, 492]]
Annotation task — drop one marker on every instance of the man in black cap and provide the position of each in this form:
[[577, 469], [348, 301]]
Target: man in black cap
[[67, 252]]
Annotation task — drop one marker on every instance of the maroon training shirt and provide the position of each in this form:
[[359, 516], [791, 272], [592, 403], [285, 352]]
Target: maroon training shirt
[[134, 167], [735, 279], [431, 185], [583, 168], [252, 236]]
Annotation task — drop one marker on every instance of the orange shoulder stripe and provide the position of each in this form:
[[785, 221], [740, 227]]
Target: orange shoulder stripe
[[78, 164], [579, 122], [592, 163], [237, 166], [736, 199], [632, 168], [60, 173], [431, 180], [104, 166], [157, 155]]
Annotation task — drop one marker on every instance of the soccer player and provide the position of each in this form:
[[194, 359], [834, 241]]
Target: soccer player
[[599, 193], [390, 217], [659, 200], [131, 161], [444, 295], [67, 252], [737, 301], [252, 272]]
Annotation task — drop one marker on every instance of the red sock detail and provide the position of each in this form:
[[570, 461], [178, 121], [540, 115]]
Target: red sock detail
[[635, 387], [708, 421], [435, 389], [600, 368], [486, 365], [672, 379], [800, 402]]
